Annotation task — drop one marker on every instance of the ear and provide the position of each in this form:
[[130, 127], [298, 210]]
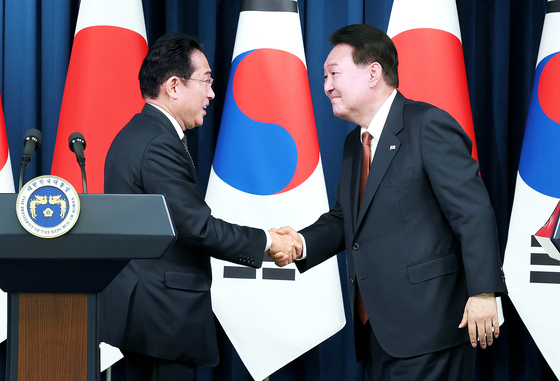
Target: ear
[[171, 87], [375, 73]]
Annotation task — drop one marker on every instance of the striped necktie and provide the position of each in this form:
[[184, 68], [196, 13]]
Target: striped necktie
[[186, 145]]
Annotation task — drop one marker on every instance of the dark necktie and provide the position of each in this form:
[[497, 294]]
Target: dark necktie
[[366, 163], [186, 145]]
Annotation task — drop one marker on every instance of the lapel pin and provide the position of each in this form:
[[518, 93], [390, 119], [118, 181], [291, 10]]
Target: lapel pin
[[392, 147]]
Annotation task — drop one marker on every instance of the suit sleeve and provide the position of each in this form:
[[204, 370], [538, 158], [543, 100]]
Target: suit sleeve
[[454, 176], [324, 239], [167, 170]]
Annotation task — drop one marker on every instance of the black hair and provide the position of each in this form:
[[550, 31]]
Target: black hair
[[370, 45], [169, 56]]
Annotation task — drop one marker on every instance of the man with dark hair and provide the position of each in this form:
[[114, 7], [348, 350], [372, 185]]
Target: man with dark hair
[[159, 312], [418, 227]]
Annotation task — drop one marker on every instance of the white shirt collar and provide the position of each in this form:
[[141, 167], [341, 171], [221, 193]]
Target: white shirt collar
[[178, 128], [375, 127]]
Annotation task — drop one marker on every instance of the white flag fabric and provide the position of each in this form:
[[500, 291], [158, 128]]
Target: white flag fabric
[[533, 278], [102, 92], [6, 186], [266, 173]]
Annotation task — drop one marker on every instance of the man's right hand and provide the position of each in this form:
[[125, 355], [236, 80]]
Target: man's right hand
[[284, 249]]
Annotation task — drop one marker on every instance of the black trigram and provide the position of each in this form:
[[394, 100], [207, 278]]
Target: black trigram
[[542, 259], [268, 273]]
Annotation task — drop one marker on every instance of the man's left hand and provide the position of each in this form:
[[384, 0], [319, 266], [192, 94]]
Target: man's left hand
[[481, 315]]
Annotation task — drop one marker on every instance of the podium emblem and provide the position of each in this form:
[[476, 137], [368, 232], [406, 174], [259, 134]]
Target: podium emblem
[[48, 206]]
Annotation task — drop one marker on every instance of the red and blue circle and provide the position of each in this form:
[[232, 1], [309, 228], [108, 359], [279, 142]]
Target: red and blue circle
[[540, 155], [268, 141]]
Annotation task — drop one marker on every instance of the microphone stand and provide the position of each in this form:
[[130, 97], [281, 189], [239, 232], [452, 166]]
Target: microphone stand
[[31, 142], [82, 164], [77, 144], [21, 173]]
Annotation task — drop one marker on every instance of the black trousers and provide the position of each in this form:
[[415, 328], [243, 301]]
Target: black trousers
[[453, 364], [139, 367]]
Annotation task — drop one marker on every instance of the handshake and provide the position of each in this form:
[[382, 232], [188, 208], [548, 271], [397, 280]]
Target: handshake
[[286, 246]]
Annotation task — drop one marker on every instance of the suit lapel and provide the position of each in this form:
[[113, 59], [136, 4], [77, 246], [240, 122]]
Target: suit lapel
[[354, 175], [387, 148], [163, 121]]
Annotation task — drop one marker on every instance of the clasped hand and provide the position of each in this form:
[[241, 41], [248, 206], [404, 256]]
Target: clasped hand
[[286, 246]]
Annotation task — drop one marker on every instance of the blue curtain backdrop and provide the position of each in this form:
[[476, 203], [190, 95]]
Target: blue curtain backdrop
[[500, 41]]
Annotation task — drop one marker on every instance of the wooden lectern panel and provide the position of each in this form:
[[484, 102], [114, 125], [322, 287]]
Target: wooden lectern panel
[[53, 337]]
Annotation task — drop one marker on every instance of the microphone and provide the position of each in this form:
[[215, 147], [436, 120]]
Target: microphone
[[77, 144], [31, 142]]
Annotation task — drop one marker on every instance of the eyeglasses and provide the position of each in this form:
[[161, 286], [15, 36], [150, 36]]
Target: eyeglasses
[[208, 81]]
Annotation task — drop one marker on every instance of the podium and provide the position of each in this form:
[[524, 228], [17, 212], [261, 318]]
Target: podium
[[53, 284]]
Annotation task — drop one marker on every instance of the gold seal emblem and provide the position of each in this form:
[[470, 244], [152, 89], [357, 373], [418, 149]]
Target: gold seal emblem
[[48, 206]]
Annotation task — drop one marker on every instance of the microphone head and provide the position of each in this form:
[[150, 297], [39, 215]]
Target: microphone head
[[74, 138], [35, 135]]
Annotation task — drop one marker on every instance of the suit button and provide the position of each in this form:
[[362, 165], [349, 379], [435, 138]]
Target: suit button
[[355, 246], [352, 281]]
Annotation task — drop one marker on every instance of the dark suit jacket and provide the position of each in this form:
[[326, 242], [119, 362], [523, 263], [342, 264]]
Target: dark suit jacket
[[425, 237], [162, 308]]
